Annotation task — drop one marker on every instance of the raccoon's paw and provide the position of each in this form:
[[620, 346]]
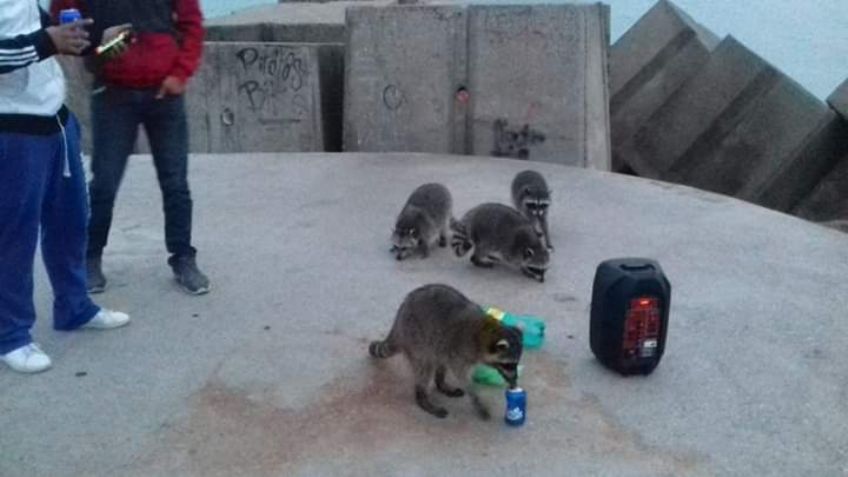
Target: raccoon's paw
[[460, 246], [451, 392], [482, 411], [401, 253], [482, 262], [423, 401], [439, 412]]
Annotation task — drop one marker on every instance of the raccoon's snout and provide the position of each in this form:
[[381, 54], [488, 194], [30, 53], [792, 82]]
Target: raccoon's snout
[[402, 252], [535, 272], [509, 371]]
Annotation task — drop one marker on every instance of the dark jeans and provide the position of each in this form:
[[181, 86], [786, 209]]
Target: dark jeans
[[116, 115]]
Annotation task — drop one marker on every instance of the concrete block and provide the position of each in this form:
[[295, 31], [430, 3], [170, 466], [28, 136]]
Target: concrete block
[[747, 159], [738, 127], [789, 182], [261, 97], [258, 97], [649, 63], [514, 81], [537, 76], [403, 68], [322, 23], [699, 113], [838, 100], [829, 200]]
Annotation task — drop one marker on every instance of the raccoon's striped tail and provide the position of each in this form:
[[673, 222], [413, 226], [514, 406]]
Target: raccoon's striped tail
[[459, 240], [382, 349]]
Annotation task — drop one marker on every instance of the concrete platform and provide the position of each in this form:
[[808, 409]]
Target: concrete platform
[[269, 375]]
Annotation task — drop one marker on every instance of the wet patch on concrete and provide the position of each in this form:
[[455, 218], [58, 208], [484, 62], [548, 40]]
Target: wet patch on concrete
[[370, 412]]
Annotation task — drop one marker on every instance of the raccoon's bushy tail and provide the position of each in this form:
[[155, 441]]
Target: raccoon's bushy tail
[[382, 349], [459, 241]]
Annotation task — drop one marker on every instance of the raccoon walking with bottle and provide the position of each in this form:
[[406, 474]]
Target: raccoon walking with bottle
[[442, 332]]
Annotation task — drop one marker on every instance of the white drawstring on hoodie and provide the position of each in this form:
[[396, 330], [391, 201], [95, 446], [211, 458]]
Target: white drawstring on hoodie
[[66, 171]]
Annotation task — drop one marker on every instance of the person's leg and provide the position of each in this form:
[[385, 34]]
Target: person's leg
[[114, 118], [64, 215], [167, 130], [23, 162]]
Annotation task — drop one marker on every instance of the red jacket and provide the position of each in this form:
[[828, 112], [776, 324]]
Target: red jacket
[[168, 38]]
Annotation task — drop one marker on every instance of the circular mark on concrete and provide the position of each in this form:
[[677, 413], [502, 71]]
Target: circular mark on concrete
[[462, 95], [392, 97], [228, 117]]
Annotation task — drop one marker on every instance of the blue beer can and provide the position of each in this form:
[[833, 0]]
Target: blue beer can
[[516, 406], [69, 15]]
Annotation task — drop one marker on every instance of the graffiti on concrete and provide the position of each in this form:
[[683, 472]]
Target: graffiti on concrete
[[270, 80], [515, 143], [392, 97]]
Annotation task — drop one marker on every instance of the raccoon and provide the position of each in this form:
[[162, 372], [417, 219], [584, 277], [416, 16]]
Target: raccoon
[[423, 221], [499, 233], [438, 329], [531, 196]]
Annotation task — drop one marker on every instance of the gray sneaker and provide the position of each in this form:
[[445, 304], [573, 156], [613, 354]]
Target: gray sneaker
[[188, 276], [95, 280]]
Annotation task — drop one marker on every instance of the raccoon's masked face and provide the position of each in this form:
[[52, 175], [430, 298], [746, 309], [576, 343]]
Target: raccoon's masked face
[[536, 203], [404, 241], [503, 352], [406, 236], [531, 253]]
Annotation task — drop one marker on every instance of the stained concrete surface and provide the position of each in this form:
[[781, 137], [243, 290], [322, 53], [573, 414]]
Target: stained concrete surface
[[269, 374]]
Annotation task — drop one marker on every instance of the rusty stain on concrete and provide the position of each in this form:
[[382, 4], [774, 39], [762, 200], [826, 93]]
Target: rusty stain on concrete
[[231, 431]]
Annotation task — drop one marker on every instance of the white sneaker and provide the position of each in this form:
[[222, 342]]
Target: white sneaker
[[107, 319], [27, 359]]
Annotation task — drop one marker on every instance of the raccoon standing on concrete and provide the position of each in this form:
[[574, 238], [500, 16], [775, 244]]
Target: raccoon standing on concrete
[[423, 221], [499, 233], [531, 196], [440, 330]]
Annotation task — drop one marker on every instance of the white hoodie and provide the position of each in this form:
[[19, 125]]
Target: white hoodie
[[30, 82]]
